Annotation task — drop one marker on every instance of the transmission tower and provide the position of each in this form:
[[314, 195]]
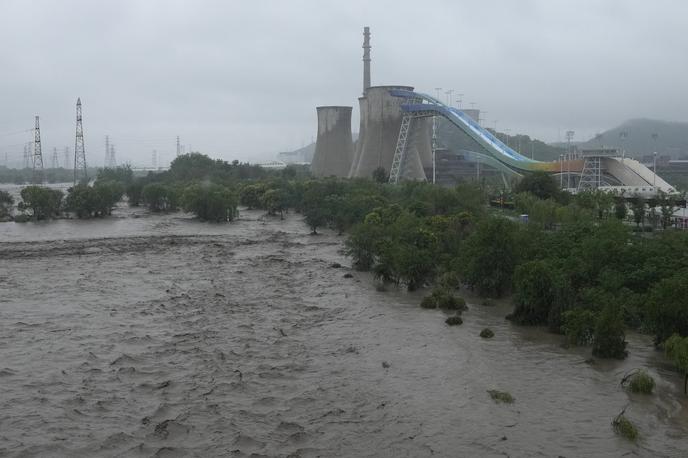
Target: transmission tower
[[79, 151], [179, 151], [66, 157], [54, 163], [107, 151], [37, 155], [112, 163]]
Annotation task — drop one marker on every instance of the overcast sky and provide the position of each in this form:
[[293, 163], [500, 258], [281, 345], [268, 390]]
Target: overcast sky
[[241, 79]]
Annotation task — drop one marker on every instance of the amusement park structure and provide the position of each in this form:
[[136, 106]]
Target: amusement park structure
[[397, 134]]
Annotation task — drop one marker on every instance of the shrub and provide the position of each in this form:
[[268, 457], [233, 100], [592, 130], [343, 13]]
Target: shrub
[[641, 382], [501, 396], [486, 333], [449, 281], [624, 427], [454, 320], [429, 302]]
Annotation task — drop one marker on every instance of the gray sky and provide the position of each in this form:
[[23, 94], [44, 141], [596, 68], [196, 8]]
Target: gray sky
[[241, 79]]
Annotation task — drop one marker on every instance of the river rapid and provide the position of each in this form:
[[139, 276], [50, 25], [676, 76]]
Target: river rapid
[[157, 335]]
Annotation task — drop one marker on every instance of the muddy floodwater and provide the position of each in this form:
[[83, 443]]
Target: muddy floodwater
[[145, 335]]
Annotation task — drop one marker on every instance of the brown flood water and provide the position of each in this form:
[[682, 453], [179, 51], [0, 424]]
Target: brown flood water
[[164, 336]]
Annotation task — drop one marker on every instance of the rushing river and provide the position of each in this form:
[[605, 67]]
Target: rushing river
[[143, 335]]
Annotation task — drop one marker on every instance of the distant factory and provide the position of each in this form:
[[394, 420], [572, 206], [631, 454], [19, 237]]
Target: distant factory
[[336, 154]]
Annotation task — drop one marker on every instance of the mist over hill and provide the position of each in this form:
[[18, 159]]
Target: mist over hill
[[644, 136]]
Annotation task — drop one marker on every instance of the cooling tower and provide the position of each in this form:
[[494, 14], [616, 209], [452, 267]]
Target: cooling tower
[[334, 146], [379, 134], [362, 107], [418, 150]]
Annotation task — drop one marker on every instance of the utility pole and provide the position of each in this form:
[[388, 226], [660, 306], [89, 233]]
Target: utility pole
[[37, 155], [438, 90], [449, 96], [79, 150], [458, 101]]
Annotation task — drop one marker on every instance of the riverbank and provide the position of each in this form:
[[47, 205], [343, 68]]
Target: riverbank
[[177, 338]]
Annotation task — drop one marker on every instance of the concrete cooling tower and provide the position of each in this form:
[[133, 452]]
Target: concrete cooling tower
[[380, 123], [362, 107], [334, 145], [418, 158]]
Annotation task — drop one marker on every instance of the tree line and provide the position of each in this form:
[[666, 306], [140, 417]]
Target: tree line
[[578, 266]]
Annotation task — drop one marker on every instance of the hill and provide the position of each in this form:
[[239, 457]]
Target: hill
[[671, 138]]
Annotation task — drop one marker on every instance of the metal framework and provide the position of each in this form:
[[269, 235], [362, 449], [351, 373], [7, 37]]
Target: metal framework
[[55, 162], [399, 159], [591, 175], [400, 151], [79, 151], [37, 155]]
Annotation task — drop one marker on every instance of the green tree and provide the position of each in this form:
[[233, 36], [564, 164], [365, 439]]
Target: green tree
[[250, 195], [638, 208], [490, 255], [121, 174], [159, 197], [380, 175], [535, 292], [6, 202], [41, 202], [620, 209], [540, 184], [134, 191], [668, 306], [676, 348], [609, 339], [274, 201], [210, 202]]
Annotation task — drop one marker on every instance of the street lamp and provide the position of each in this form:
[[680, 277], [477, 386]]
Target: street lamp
[[654, 169]]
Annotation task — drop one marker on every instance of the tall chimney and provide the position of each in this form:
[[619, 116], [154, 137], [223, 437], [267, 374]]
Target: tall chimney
[[366, 59]]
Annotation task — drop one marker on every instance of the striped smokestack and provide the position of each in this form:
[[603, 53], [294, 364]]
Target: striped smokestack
[[333, 147]]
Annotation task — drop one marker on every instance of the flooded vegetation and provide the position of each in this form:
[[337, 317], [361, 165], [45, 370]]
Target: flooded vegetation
[[179, 338], [331, 318]]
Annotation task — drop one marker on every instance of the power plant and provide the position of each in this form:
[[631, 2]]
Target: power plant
[[397, 133], [334, 148]]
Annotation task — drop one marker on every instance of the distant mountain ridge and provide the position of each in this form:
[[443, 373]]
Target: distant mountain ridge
[[645, 136]]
